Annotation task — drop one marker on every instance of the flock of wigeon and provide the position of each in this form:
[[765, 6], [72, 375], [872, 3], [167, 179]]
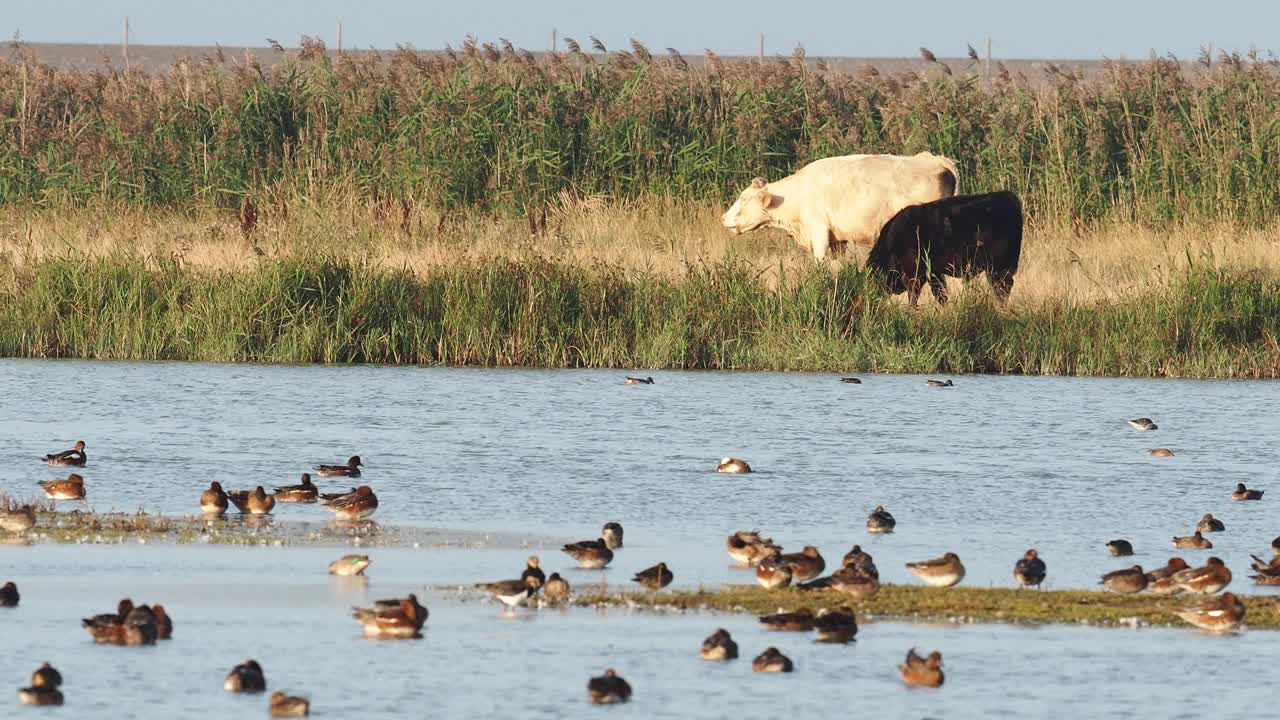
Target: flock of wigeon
[[857, 578]]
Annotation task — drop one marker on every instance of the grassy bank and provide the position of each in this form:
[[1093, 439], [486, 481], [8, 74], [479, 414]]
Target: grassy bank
[[535, 310], [915, 602], [491, 128]]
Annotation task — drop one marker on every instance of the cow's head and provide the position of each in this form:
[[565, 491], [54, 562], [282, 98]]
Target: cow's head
[[751, 211]]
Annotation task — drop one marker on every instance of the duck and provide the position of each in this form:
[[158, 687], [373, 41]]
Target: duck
[[129, 625], [74, 457], [1160, 452], [326, 498], [1192, 542], [44, 687], [608, 689], [772, 660], [939, 383], [1244, 493], [851, 380], [880, 521], [612, 535], [1206, 580], [349, 565], [920, 671], [512, 592], [1224, 613], [835, 626], [806, 564], [17, 519], [282, 705], [862, 560], [772, 573], [1126, 581], [939, 572], [799, 621], [164, 623], [304, 492], [9, 595], [1160, 581], [69, 488], [1265, 566], [247, 677], [1120, 548], [590, 554], [556, 590], [357, 505], [257, 502], [638, 380], [733, 466], [655, 578], [1030, 570], [109, 627], [351, 469], [849, 581], [1143, 423], [403, 620], [213, 501], [532, 570], [1209, 523], [719, 646], [746, 547]]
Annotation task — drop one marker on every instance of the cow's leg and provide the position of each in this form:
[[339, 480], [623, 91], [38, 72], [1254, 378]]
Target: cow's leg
[[939, 286], [819, 240], [913, 289], [1002, 284]]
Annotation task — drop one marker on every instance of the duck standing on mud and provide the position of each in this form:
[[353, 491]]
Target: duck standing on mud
[[1030, 570], [939, 572]]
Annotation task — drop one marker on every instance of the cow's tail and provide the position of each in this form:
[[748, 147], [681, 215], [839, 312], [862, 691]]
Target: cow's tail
[[949, 180]]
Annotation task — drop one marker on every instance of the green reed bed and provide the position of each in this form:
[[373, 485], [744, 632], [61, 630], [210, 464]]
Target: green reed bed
[[494, 128], [545, 313]]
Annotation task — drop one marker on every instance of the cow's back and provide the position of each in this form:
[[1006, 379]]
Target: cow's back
[[855, 195]]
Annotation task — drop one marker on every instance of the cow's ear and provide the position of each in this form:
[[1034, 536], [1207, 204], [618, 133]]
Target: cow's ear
[[765, 198], [758, 183]]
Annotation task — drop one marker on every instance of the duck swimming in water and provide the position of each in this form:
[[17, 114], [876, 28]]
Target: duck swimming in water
[[402, 620], [247, 677], [1120, 548], [351, 469], [213, 501], [1143, 423], [282, 705], [69, 488], [1243, 493], [638, 380], [733, 466], [772, 660], [924, 672], [349, 565], [1160, 452], [608, 689], [719, 646], [74, 457], [880, 521], [1192, 542], [1209, 523], [304, 492], [939, 383], [835, 626], [257, 502]]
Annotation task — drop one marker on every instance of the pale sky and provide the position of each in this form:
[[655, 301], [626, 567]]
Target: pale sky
[[1078, 29]]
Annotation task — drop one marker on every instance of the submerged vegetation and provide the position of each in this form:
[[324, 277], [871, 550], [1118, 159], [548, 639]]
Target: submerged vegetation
[[964, 604], [495, 128], [538, 311]]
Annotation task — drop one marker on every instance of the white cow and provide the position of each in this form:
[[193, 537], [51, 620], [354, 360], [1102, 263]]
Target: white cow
[[842, 199]]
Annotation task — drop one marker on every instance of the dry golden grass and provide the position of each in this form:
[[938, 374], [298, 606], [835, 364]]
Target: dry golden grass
[[658, 236]]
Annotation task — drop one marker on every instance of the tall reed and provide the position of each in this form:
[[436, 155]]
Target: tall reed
[[493, 128]]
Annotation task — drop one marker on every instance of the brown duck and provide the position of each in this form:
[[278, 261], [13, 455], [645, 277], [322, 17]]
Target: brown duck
[[17, 519], [772, 660], [1160, 581], [282, 705], [1030, 571], [304, 492], [835, 626], [655, 578], [799, 621], [214, 501], [403, 620], [1206, 580], [923, 672], [719, 646], [590, 554], [69, 488], [351, 469], [805, 565], [247, 677], [748, 548], [772, 573], [939, 572], [1243, 493], [356, 505], [1221, 614], [1192, 542], [1127, 581], [257, 502]]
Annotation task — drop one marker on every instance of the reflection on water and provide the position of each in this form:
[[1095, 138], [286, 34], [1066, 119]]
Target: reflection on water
[[987, 469]]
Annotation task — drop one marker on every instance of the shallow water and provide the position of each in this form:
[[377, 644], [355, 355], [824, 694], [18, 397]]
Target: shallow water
[[987, 469]]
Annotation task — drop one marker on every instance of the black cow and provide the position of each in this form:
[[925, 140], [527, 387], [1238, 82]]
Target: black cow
[[960, 236]]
